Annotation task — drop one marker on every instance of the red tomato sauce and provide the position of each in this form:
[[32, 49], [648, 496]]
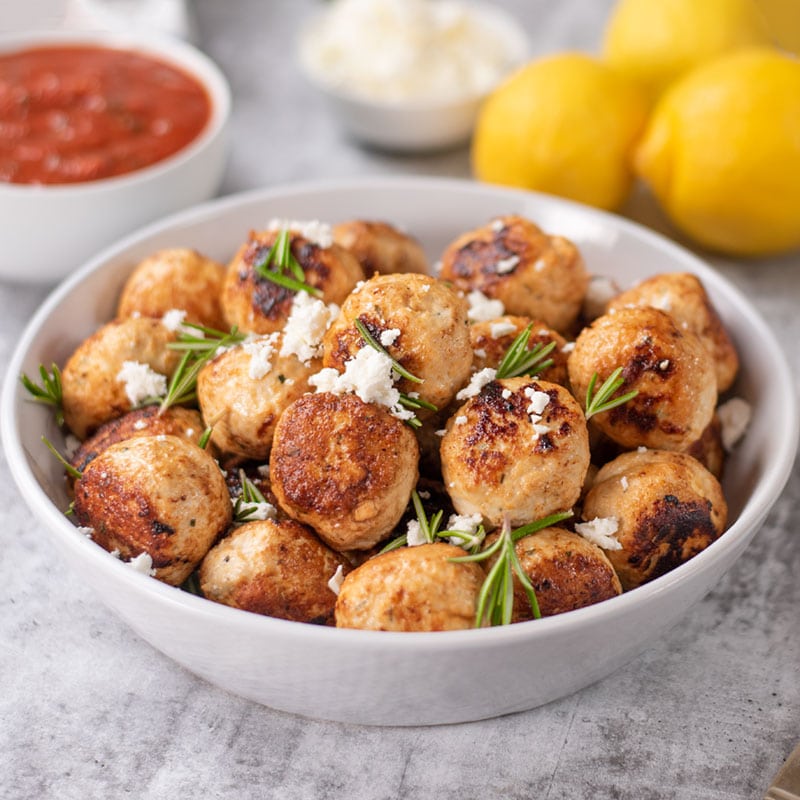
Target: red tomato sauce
[[73, 114]]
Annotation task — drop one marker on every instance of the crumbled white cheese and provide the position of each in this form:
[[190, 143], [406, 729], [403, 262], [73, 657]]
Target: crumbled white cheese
[[662, 365], [497, 225], [423, 494], [440, 432], [389, 337], [600, 531], [87, 532], [263, 469], [414, 534], [506, 393], [461, 419], [539, 429], [477, 382], [467, 524], [308, 320], [505, 265], [482, 309], [568, 347], [538, 400], [173, 320], [71, 445], [140, 424], [502, 328], [316, 232], [480, 352], [358, 287], [143, 563], [261, 349], [256, 510], [663, 302], [624, 483], [539, 264], [115, 552], [335, 581], [598, 294], [641, 449], [734, 417], [141, 381]]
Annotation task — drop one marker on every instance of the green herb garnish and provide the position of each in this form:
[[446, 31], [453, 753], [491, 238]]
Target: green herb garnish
[[519, 360], [49, 392], [597, 403], [71, 471], [279, 261], [248, 502]]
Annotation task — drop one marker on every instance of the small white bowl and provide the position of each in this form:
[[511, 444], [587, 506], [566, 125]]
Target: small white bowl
[[49, 230], [389, 678], [412, 125]]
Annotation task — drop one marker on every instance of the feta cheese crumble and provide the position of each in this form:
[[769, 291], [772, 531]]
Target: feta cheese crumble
[[502, 328], [461, 419], [467, 524], [414, 534], [734, 417], [506, 265], [318, 233], [389, 337], [142, 563], [624, 483], [255, 511], [173, 320], [141, 381], [600, 531], [308, 321], [261, 349], [477, 382], [538, 400], [87, 532], [335, 581], [482, 309]]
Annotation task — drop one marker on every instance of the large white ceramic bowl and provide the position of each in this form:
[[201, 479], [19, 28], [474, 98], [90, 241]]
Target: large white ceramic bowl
[[400, 678], [49, 230]]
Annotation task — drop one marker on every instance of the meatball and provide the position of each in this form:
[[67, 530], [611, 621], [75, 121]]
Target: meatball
[[276, 568], [708, 449], [513, 260], [520, 447], [565, 570], [94, 384], [684, 298], [422, 324], [243, 391], [411, 589], [491, 340], [159, 495], [257, 305], [343, 466], [147, 421], [666, 507], [380, 247], [668, 366], [175, 279]]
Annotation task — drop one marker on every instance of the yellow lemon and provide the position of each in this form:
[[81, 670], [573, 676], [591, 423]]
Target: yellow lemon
[[653, 42], [783, 20], [564, 124], [721, 153]]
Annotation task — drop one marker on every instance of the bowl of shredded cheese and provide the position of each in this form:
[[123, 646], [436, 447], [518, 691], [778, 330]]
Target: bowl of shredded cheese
[[409, 75]]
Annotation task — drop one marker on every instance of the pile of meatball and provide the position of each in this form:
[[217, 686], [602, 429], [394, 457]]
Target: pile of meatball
[[338, 465]]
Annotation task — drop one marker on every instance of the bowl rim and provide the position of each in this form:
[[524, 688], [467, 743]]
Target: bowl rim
[[175, 52], [775, 475], [518, 42]]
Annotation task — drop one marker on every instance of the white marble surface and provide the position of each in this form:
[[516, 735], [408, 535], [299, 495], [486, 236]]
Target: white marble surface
[[88, 710]]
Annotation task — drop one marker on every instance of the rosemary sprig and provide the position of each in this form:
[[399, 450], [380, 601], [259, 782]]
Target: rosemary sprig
[[601, 401], [278, 260], [373, 343], [496, 598], [49, 392], [70, 470], [519, 360], [247, 504]]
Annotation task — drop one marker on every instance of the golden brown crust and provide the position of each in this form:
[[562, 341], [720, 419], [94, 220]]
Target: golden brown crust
[[494, 461], [276, 568], [344, 467], [668, 508], [92, 394], [668, 366], [411, 589], [178, 278], [547, 282], [489, 348], [433, 341], [160, 495], [257, 305], [380, 247], [683, 296]]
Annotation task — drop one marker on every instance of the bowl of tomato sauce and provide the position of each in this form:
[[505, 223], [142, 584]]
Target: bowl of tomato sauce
[[100, 134]]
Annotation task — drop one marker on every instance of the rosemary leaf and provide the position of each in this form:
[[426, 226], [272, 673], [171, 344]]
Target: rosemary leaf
[[597, 403]]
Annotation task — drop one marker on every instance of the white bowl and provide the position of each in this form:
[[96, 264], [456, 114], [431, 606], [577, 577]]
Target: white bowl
[[49, 230], [412, 124], [400, 678]]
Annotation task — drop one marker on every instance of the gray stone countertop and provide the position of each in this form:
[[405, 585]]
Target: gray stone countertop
[[88, 710]]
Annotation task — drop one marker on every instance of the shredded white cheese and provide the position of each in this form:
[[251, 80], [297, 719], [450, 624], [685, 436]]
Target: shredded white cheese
[[335, 581], [734, 417], [482, 309], [143, 563], [502, 328], [600, 531], [316, 232], [141, 381], [477, 382], [307, 323], [261, 349]]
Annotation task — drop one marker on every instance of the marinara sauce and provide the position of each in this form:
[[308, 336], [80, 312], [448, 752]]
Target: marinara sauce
[[78, 113]]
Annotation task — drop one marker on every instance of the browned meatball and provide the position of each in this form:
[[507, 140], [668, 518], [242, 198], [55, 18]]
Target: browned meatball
[[684, 298], [175, 279], [159, 495], [343, 466], [666, 507], [565, 570], [276, 568], [422, 324], [520, 447], [147, 421], [491, 340], [513, 260], [411, 589], [380, 247], [257, 305], [93, 380], [708, 449], [668, 366], [243, 391]]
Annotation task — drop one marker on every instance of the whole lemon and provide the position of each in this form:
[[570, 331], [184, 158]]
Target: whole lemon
[[653, 42], [564, 124], [721, 153]]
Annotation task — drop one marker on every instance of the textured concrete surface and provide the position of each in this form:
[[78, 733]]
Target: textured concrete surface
[[88, 710]]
